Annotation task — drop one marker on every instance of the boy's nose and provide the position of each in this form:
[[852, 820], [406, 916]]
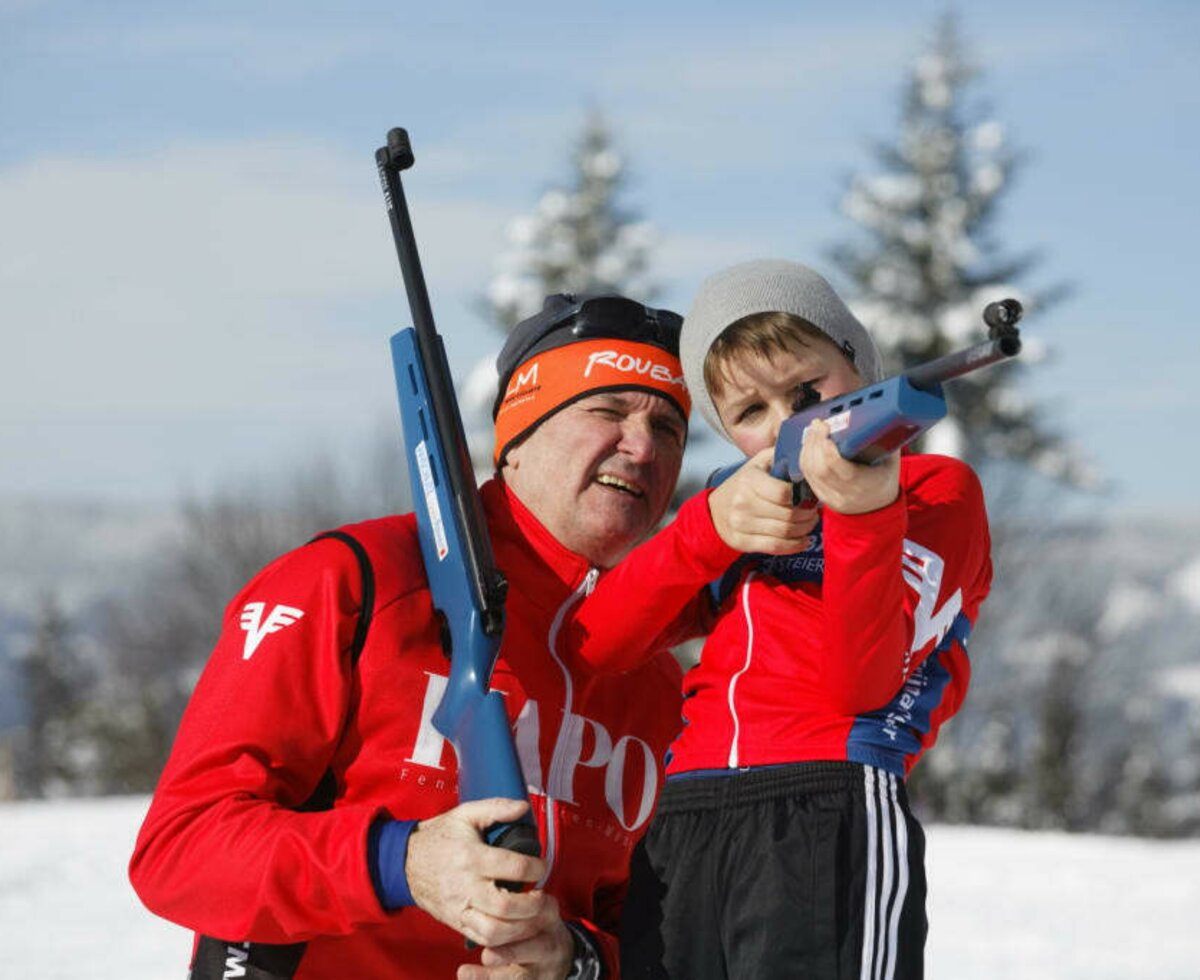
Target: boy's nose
[[778, 417]]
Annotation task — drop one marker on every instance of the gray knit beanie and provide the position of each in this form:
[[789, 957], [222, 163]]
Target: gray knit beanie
[[767, 286]]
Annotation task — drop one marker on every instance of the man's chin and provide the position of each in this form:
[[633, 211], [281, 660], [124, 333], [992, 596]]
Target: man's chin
[[617, 503], [620, 521]]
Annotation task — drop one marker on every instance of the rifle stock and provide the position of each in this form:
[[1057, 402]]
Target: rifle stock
[[470, 716]]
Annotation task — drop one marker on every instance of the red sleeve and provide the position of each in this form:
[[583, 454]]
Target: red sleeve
[[222, 849], [897, 578], [650, 601]]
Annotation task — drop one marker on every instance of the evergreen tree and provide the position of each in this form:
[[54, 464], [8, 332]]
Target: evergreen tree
[[54, 683], [1052, 785], [579, 237], [1140, 782], [927, 262]]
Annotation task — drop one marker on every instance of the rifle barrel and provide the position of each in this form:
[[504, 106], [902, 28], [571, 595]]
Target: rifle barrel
[[929, 375], [487, 582]]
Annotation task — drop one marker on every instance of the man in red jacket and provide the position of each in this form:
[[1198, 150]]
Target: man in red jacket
[[328, 669]]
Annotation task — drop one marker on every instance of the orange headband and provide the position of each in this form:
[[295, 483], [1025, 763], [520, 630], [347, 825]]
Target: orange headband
[[554, 378]]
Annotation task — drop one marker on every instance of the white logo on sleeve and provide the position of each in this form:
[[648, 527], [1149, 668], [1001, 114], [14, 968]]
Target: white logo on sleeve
[[257, 628], [923, 571]]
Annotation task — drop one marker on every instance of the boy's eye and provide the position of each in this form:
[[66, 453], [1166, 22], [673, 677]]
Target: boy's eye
[[748, 413]]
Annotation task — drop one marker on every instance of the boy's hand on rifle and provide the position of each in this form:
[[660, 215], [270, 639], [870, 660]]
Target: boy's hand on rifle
[[842, 485], [546, 955], [752, 511], [452, 874]]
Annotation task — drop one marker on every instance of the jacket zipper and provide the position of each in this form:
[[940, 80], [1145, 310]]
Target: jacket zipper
[[737, 722], [584, 589]]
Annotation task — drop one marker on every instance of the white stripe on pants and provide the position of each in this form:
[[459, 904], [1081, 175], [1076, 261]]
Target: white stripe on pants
[[887, 875]]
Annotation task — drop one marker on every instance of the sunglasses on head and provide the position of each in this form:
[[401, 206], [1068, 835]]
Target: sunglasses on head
[[616, 316]]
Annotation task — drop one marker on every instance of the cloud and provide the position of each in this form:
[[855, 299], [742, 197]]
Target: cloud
[[210, 244], [208, 286], [278, 51], [745, 62]]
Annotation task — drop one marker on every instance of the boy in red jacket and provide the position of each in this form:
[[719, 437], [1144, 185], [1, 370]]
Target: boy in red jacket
[[783, 844]]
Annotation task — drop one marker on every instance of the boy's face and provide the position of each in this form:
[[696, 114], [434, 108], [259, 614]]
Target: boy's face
[[760, 392]]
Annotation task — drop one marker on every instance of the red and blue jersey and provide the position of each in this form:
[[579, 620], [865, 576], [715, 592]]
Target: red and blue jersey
[[853, 650]]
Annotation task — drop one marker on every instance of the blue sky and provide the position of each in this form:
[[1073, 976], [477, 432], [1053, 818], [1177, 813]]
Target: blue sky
[[197, 279]]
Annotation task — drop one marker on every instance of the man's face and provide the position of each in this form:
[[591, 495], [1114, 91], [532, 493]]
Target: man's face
[[600, 472], [759, 393]]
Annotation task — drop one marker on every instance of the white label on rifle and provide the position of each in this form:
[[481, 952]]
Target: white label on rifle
[[431, 501], [839, 421]]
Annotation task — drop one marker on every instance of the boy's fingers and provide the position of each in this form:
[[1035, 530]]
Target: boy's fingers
[[771, 545], [753, 510], [762, 459], [816, 429]]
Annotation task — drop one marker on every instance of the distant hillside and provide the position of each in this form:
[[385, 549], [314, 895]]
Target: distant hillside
[[77, 551]]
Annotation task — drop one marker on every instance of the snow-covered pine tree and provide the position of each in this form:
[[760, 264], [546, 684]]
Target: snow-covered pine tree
[[926, 262], [923, 262], [54, 680], [579, 238]]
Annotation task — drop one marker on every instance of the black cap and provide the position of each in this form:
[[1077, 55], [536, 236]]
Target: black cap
[[566, 318]]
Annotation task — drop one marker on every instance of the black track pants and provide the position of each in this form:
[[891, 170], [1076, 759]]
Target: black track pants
[[814, 870]]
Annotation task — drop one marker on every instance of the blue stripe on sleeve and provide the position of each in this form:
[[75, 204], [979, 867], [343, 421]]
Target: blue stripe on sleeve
[[887, 737]]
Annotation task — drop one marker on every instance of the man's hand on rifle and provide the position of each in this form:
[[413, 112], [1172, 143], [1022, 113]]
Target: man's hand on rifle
[[452, 874], [546, 955], [843, 485], [752, 511]]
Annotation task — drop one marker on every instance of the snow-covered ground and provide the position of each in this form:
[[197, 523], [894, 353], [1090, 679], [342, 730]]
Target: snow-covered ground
[[1003, 904]]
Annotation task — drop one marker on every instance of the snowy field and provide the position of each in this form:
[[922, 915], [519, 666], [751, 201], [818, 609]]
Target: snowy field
[[1003, 904]]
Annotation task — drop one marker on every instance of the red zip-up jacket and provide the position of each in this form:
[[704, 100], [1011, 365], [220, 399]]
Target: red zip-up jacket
[[853, 650], [223, 849]]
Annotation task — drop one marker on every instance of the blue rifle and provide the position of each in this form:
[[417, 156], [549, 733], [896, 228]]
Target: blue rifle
[[872, 422], [467, 588]]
